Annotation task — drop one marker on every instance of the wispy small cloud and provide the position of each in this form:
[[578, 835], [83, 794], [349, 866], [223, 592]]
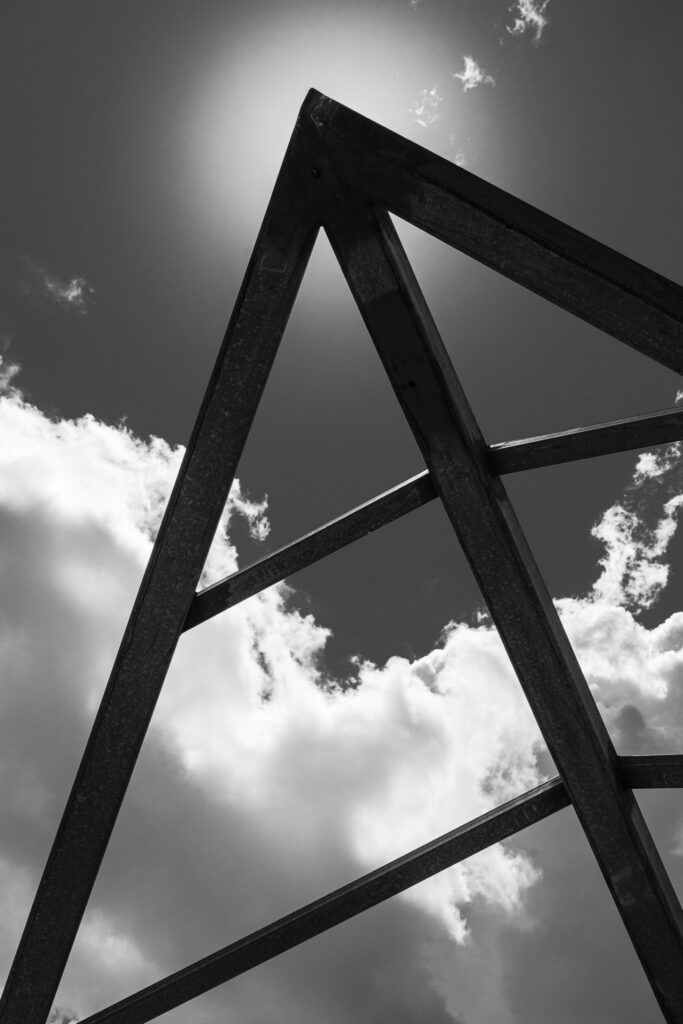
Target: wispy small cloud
[[8, 372], [414, 4], [459, 157], [74, 293], [529, 17], [425, 106], [473, 75], [38, 283]]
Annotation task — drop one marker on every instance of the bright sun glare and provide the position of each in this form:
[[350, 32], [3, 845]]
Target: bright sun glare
[[246, 105]]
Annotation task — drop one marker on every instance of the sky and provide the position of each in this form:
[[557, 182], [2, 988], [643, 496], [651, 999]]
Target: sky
[[142, 143]]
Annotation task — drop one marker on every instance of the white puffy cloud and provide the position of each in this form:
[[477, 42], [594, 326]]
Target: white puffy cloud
[[529, 16], [473, 75], [572, 960], [262, 784]]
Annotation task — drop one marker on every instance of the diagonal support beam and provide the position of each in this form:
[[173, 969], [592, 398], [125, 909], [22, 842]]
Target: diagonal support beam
[[265, 301], [577, 273], [338, 149], [423, 378], [337, 534], [509, 457], [587, 442], [336, 907], [369, 891]]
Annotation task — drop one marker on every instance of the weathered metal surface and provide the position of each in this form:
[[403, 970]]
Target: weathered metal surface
[[338, 906], [194, 509], [425, 383], [598, 284], [337, 166], [509, 457], [652, 771]]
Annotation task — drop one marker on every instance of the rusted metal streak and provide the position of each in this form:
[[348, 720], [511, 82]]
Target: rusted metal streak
[[194, 509], [336, 907], [414, 357], [509, 457], [652, 771], [591, 280]]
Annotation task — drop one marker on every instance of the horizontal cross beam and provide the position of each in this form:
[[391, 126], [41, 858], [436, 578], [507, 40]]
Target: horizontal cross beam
[[338, 906], [652, 771], [370, 890], [509, 457]]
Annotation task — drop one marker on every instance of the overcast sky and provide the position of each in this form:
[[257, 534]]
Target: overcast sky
[[141, 142]]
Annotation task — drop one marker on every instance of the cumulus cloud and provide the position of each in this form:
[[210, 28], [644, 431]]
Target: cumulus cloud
[[473, 75], [529, 16], [262, 783], [425, 107]]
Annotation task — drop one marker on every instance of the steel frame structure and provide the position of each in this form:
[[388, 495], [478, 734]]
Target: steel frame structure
[[346, 174]]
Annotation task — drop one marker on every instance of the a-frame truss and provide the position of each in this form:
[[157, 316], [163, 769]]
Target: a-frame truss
[[346, 174]]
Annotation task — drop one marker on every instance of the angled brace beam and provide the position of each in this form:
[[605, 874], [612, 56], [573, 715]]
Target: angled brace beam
[[509, 457], [369, 891], [425, 383], [194, 509], [577, 273], [587, 442], [336, 907]]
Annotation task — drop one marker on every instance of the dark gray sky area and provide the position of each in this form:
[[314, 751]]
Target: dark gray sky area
[[141, 141]]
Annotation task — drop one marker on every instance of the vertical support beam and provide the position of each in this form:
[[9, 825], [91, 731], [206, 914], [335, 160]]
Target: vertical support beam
[[167, 589], [423, 378]]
